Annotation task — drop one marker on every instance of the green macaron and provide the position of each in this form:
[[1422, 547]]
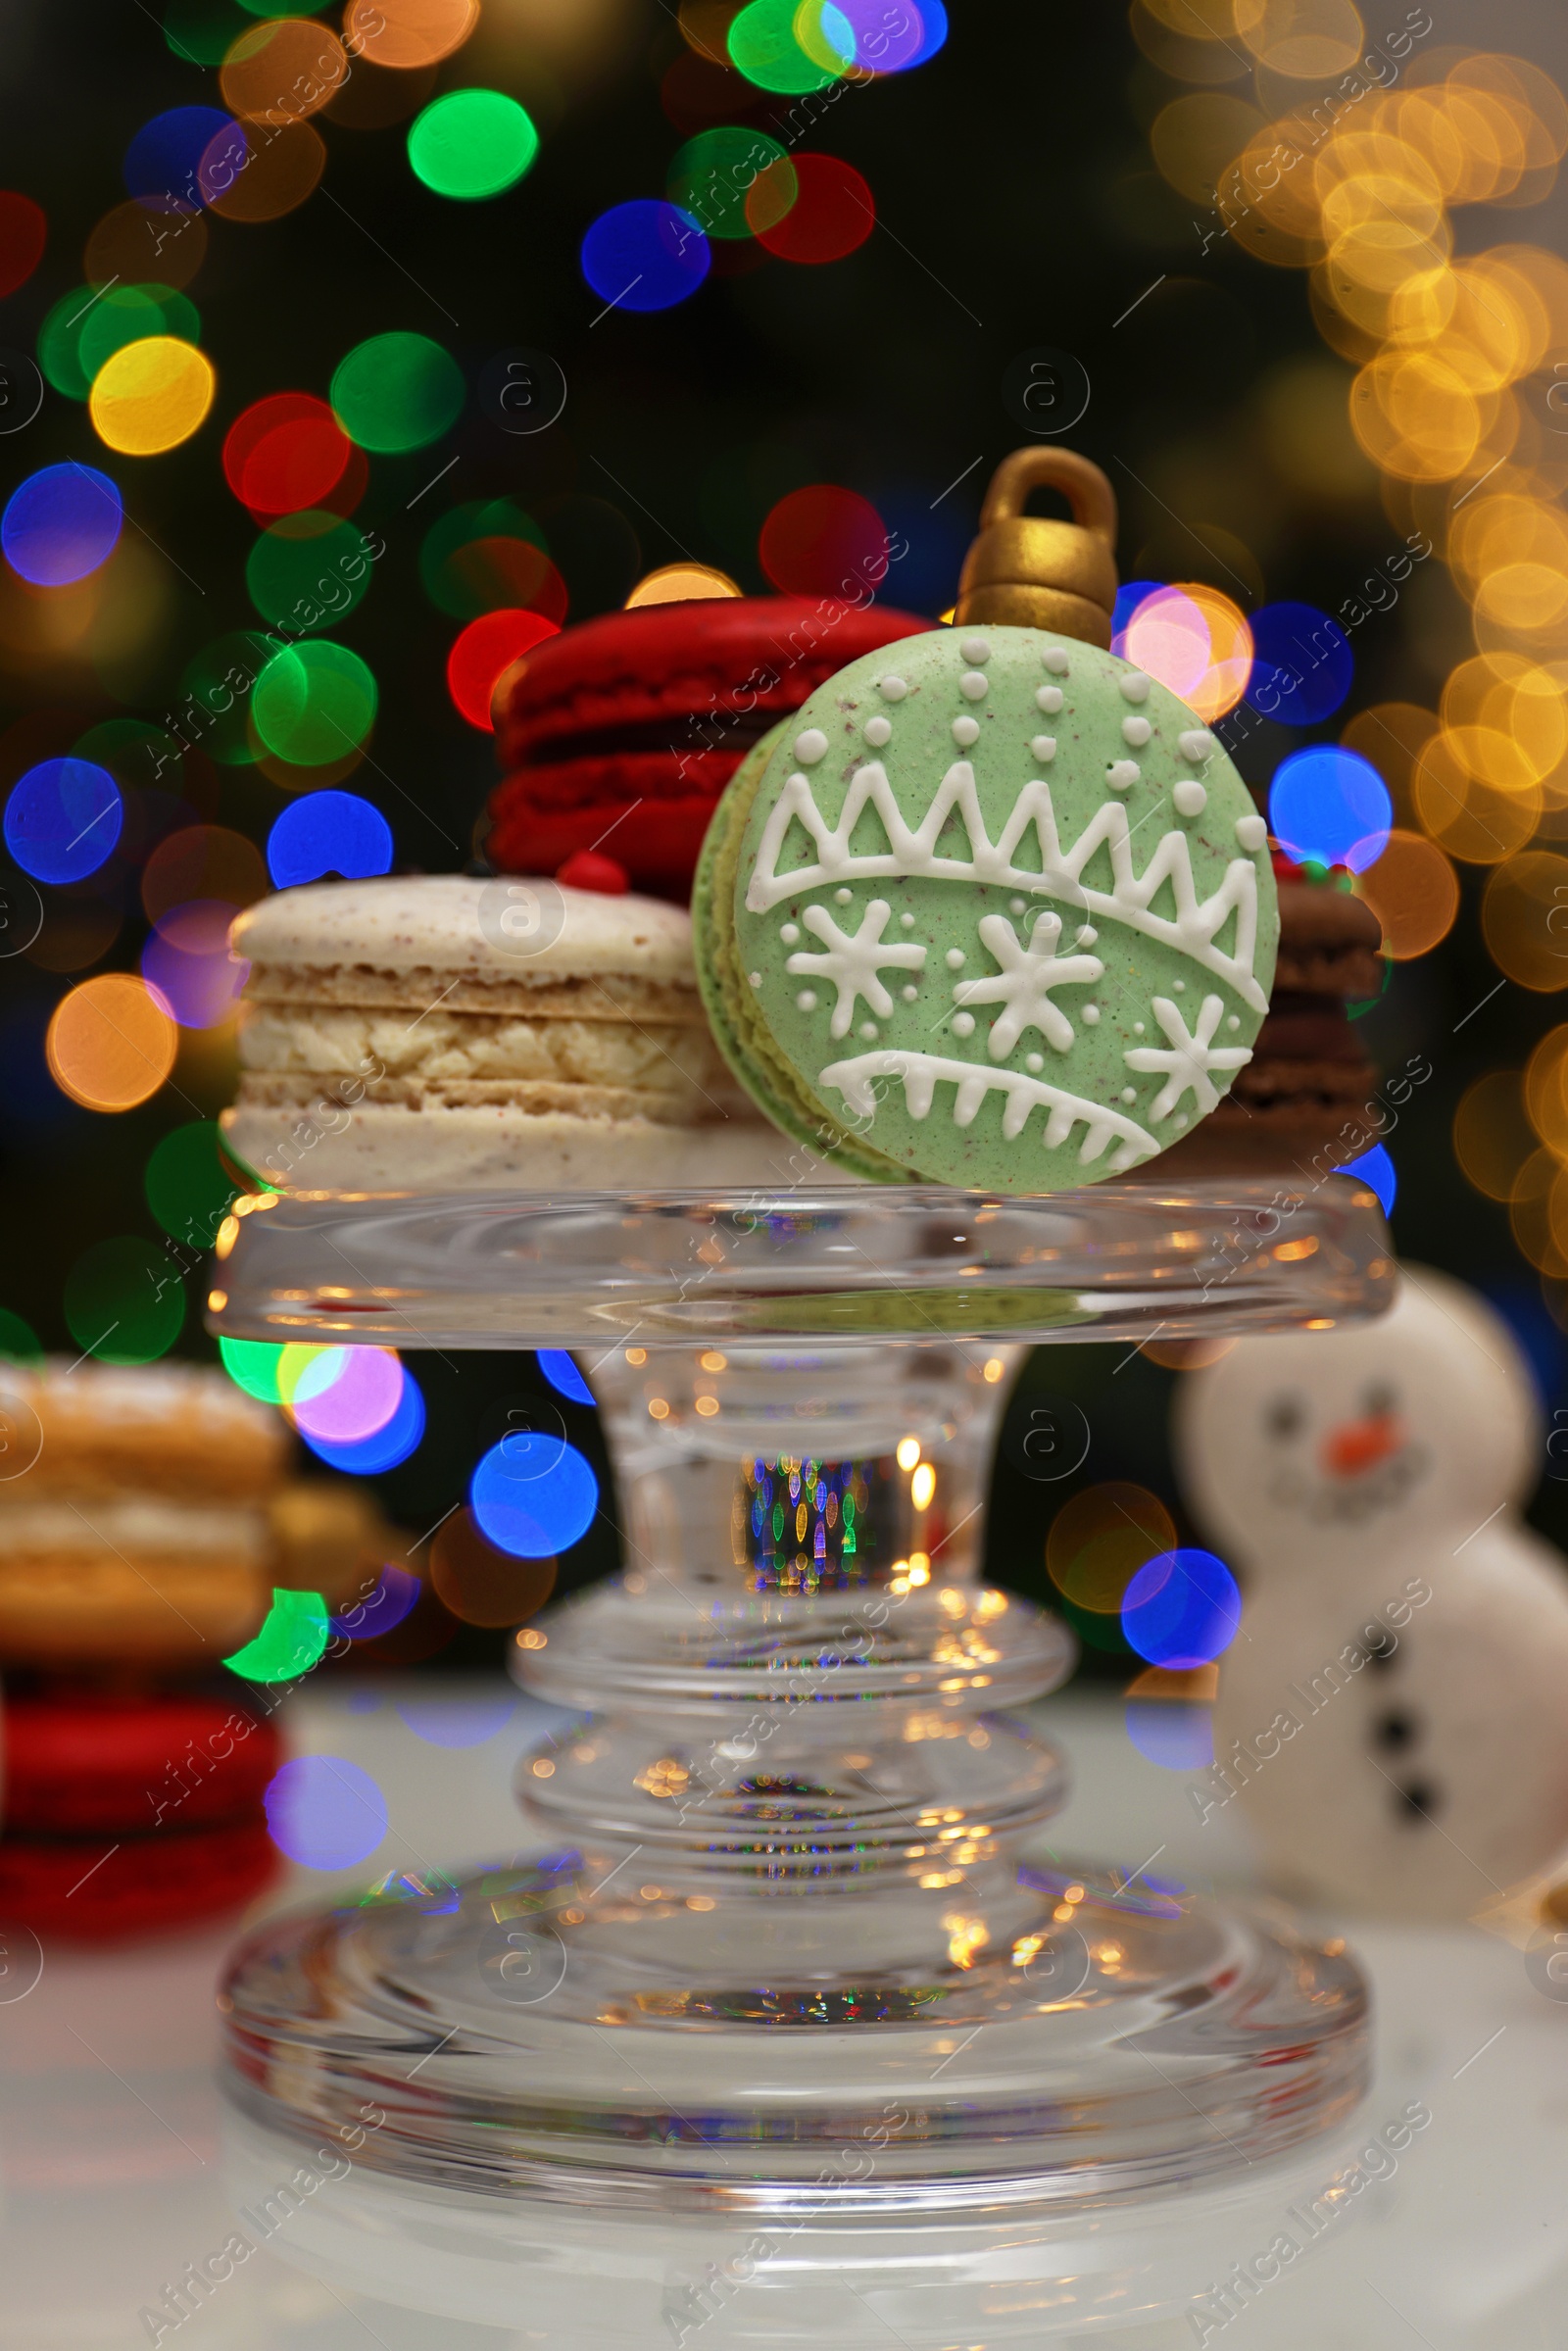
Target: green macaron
[[993, 908]]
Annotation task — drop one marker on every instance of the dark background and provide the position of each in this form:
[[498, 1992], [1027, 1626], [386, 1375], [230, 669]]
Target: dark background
[[1018, 208]]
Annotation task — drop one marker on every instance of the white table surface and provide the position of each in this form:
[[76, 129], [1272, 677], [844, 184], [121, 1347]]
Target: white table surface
[[109, 2179]]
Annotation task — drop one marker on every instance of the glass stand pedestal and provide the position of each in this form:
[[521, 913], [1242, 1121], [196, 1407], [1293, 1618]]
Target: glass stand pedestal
[[784, 2015]]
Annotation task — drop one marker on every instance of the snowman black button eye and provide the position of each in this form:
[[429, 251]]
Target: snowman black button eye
[[1394, 1730], [1417, 1802], [1283, 1416], [1379, 1399]]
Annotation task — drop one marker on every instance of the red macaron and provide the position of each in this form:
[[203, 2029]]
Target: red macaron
[[619, 736]]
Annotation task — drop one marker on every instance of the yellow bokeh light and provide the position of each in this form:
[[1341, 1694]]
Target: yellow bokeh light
[[1304, 39], [1545, 1094], [909, 1452], [1414, 891], [682, 583], [1524, 920], [151, 395], [1491, 1136], [111, 1044], [923, 1486], [1471, 818], [1198, 135], [408, 34]]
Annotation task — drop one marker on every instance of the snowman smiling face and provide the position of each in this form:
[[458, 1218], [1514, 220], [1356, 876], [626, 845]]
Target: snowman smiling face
[[1341, 1447], [1350, 1471]]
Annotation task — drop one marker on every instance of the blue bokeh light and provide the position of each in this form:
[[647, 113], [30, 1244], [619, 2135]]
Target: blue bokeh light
[[328, 832], [1181, 1610], [61, 523], [324, 1812], [165, 158], [395, 1594], [934, 18], [881, 39], [534, 1495], [63, 820], [563, 1376], [1129, 595], [1303, 665], [456, 1722], [645, 256], [386, 1448], [1177, 1734], [1330, 805], [1375, 1169]]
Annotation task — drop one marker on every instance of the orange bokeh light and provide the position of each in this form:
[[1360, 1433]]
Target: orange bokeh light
[[111, 1044], [1194, 641]]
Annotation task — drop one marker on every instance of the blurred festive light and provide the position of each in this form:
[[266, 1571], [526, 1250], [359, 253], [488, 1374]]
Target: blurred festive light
[[482, 1584], [534, 1495], [324, 833], [763, 44], [1182, 1609], [262, 175], [58, 338], [563, 1376], [681, 583], [456, 1722], [1547, 1091], [311, 703], [397, 392], [152, 395], [205, 862], [61, 523], [308, 570], [292, 1639], [1524, 920], [873, 36], [824, 541], [1414, 891], [125, 1301], [1375, 1169], [347, 1393], [470, 144], [832, 213], [485, 554], [1167, 1729], [285, 453], [252, 1364], [1193, 137], [111, 1044], [19, 1342], [189, 1189], [23, 233], [1129, 595], [645, 256], [186, 963], [151, 242], [1100, 1538], [387, 1448], [485, 650], [1303, 665], [278, 72], [163, 159], [323, 1811], [404, 33], [1477, 821], [203, 32], [1328, 804], [394, 1595], [716, 175], [63, 820], [1537, 1213], [1415, 416], [1194, 641], [215, 689], [1307, 40], [1519, 711], [1492, 1138], [129, 313]]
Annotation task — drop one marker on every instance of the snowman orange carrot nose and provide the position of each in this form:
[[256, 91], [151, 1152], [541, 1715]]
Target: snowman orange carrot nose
[[1360, 1445]]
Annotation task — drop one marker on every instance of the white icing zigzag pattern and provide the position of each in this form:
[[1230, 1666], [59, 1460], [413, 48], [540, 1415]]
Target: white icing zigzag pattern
[[920, 1074], [1193, 931]]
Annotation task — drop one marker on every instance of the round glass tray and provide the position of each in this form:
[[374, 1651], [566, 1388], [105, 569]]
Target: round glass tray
[[1116, 1260]]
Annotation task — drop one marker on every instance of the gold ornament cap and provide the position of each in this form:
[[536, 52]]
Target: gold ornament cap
[[1031, 571]]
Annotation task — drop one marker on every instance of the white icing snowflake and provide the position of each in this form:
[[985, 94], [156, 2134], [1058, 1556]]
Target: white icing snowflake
[[1025, 981], [1190, 1058], [854, 960]]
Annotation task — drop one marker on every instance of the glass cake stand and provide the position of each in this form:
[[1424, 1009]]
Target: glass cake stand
[[783, 2009]]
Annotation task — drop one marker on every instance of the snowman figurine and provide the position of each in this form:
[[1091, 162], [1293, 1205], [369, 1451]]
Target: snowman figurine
[[1392, 1714]]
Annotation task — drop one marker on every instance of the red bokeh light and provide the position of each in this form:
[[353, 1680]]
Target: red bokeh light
[[833, 213], [824, 541], [286, 453], [485, 648], [23, 229]]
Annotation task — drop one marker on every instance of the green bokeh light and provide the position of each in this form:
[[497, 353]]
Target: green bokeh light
[[471, 145], [135, 751], [203, 32], [252, 1364], [397, 392], [296, 1631], [187, 1186], [763, 45], [125, 1301], [127, 314], [19, 1342], [713, 173], [215, 690], [58, 339], [308, 571], [313, 701], [464, 585]]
